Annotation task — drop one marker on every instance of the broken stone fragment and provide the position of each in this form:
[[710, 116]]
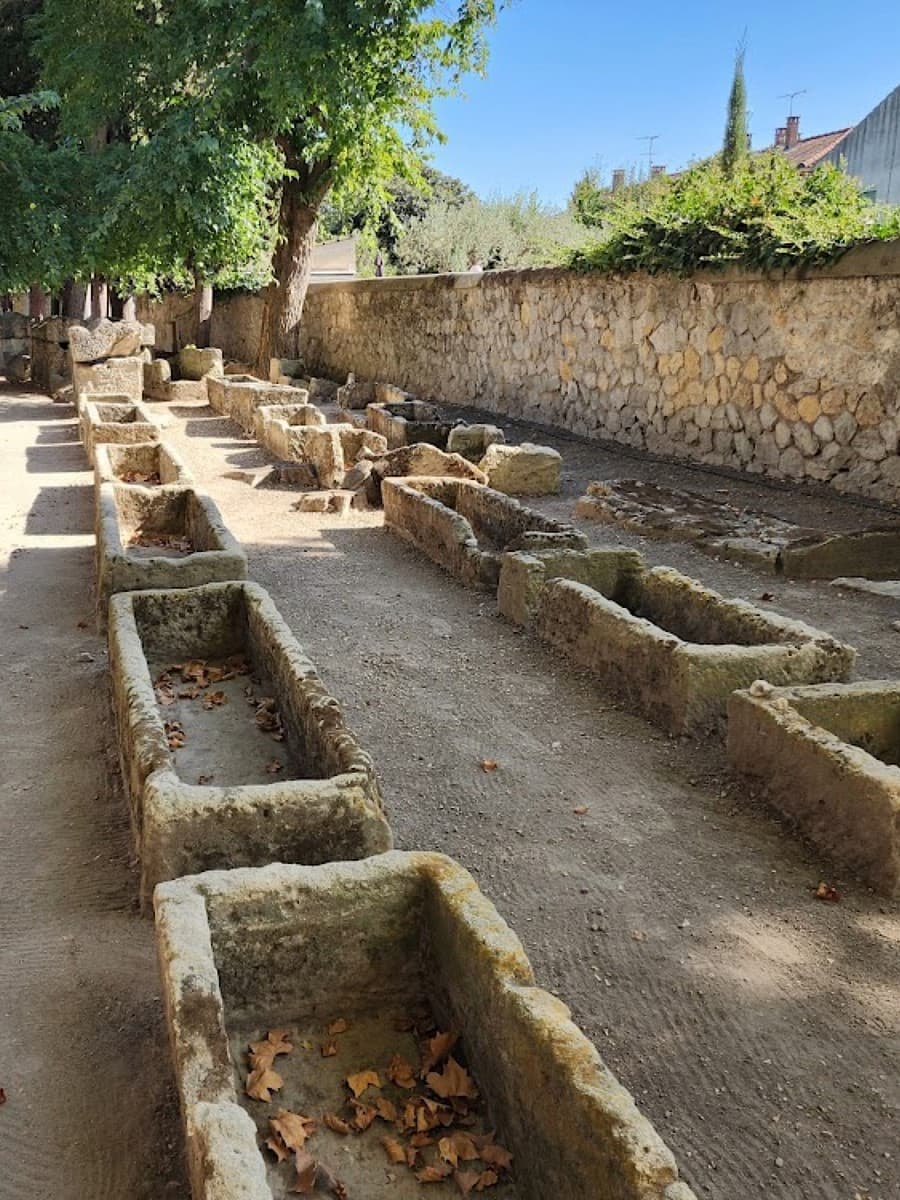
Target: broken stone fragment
[[526, 470], [419, 459], [194, 363], [292, 367], [100, 339], [471, 441], [18, 368]]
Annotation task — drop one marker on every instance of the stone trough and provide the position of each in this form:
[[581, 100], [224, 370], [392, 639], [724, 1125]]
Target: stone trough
[[385, 952], [143, 464], [114, 418], [672, 648], [239, 756], [299, 433], [466, 527], [525, 574], [153, 537], [240, 396], [406, 422], [828, 757]]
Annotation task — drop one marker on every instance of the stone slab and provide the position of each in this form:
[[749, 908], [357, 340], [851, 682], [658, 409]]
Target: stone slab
[[466, 527], [730, 531], [209, 804], [240, 396], [885, 587], [675, 650], [101, 339], [195, 363], [126, 511], [828, 758], [245, 951], [525, 470]]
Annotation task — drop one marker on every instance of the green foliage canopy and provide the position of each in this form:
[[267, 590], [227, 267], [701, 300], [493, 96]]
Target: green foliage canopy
[[734, 147], [765, 214]]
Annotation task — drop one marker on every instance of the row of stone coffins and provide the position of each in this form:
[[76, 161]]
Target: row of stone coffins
[[396, 1034], [825, 751]]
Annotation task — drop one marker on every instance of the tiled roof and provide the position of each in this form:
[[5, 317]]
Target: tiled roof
[[811, 150]]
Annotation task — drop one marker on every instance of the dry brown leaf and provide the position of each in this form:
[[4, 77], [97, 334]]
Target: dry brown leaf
[[421, 1139], [329, 1049], [336, 1125], [306, 1169], [274, 767], [175, 735], [825, 891], [386, 1109], [195, 669], [203, 780], [401, 1073], [437, 1049], [434, 1174], [338, 1026], [488, 1179], [453, 1080], [580, 810], [261, 1082], [456, 1147], [214, 699], [264, 1053], [293, 1128], [394, 1150], [466, 1180], [278, 1148], [488, 764], [495, 1155], [361, 1080], [365, 1115]]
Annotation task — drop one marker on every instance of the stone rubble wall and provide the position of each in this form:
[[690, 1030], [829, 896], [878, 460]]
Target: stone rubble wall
[[795, 378]]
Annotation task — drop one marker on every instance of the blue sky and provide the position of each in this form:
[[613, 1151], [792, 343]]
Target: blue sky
[[576, 83]]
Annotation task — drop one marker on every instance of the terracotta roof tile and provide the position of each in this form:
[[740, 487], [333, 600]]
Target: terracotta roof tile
[[811, 150]]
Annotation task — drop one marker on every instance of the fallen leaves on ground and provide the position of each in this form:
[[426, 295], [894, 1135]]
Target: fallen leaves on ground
[[293, 1129], [261, 1082], [162, 541], [175, 735], [268, 718], [825, 891], [361, 1080], [488, 764], [150, 478], [580, 810], [214, 699], [329, 1049], [453, 1080], [430, 1117]]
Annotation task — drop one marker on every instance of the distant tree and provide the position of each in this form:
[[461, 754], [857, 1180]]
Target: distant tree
[[734, 148], [344, 89]]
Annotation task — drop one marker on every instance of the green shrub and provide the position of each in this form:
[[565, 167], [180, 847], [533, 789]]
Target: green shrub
[[765, 214]]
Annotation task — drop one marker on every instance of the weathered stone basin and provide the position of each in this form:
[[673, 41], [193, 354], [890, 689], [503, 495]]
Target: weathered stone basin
[[265, 771], [384, 951]]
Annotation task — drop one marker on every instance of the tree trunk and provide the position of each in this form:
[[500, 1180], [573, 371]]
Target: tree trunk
[[292, 266], [74, 299], [99, 297], [203, 307], [129, 308], [36, 302]]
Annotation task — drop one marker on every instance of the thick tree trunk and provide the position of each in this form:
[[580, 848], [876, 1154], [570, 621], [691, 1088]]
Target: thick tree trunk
[[74, 300], [203, 307], [292, 266], [129, 308]]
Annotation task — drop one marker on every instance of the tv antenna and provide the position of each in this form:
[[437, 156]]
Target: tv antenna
[[792, 96], [649, 138]]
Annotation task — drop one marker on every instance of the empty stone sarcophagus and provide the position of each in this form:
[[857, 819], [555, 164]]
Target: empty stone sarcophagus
[[828, 757], [114, 418], [359, 968], [232, 750], [466, 527], [675, 649], [169, 537], [406, 422]]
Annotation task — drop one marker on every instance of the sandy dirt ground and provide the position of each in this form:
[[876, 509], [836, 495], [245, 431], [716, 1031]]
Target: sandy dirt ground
[[758, 1028]]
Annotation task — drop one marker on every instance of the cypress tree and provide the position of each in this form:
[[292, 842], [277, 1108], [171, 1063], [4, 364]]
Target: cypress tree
[[734, 149]]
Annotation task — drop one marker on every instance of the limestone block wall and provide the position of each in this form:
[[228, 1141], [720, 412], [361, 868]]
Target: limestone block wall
[[793, 377]]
